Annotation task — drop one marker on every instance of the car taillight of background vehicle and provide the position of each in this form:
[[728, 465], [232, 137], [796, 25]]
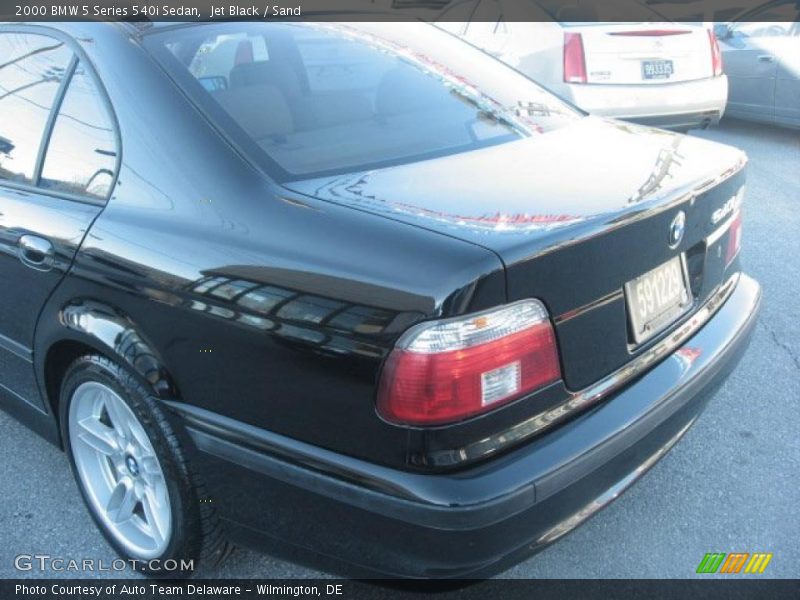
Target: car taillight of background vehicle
[[446, 371], [734, 239], [716, 54], [574, 58]]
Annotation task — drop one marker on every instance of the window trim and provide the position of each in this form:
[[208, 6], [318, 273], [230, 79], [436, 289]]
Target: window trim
[[78, 56], [55, 111]]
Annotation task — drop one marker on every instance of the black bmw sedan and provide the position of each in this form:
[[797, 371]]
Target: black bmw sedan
[[358, 288]]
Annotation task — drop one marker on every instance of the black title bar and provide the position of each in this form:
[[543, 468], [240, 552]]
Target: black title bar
[[381, 10]]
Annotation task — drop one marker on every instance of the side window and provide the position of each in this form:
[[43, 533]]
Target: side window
[[82, 154], [32, 68]]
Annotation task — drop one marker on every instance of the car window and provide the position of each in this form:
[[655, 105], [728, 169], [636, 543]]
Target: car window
[[32, 68], [81, 155], [336, 98]]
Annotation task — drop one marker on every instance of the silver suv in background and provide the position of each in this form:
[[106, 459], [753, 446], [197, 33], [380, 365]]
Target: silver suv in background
[[654, 71]]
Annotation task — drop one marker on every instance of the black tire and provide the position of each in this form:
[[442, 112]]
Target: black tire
[[196, 533]]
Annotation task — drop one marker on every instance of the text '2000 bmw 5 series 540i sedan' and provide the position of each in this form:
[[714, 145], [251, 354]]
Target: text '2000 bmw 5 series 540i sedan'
[[359, 288]]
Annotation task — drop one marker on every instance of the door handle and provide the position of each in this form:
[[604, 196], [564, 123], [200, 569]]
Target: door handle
[[36, 252], [766, 58]]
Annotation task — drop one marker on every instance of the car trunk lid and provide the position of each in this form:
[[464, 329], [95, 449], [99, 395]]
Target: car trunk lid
[[644, 53], [574, 216]]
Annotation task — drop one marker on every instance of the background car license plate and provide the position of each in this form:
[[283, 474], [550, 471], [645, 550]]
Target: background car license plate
[[657, 69], [657, 298]]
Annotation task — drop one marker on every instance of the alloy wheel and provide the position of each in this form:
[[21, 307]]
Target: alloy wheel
[[119, 470]]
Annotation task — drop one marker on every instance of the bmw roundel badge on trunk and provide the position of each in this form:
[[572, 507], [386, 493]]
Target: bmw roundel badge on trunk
[[676, 229]]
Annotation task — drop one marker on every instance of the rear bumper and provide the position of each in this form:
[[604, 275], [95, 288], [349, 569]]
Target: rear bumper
[[475, 521], [670, 105]]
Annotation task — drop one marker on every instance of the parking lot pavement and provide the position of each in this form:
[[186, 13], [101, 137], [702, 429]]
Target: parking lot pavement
[[730, 485]]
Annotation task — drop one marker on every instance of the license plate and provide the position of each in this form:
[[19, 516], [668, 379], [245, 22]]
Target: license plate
[[657, 69], [657, 298]]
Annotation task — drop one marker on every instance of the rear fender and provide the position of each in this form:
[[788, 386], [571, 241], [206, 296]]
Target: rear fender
[[106, 330]]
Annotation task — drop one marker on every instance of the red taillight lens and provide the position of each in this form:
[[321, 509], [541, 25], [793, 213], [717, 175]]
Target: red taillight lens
[[574, 58], [447, 371], [734, 239], [716, 54]]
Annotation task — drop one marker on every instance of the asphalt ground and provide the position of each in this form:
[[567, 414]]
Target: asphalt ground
[[731, 485]]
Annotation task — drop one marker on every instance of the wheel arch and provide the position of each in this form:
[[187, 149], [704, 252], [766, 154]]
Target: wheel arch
[[88, 326]]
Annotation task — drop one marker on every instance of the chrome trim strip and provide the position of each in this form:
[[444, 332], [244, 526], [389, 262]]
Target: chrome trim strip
[[594, 393], [712, 238], [16, 348], [576, 312]]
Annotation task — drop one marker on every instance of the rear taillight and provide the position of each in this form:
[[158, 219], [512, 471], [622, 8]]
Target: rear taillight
[[716, 54], [734, 239], [446, 371], [574, 58]]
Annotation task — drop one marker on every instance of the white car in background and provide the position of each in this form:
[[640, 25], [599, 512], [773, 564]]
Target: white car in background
[[654, 72]]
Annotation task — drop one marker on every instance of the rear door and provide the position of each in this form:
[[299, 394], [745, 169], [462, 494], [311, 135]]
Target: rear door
[[757, 56], [750, 55], [58, 157], [787, 83]]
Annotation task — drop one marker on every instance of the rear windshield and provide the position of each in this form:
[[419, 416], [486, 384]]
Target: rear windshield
[[307, 100]]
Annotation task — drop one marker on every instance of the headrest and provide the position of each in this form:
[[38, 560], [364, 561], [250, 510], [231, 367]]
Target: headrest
[[261, 110], [244, 52], [266, 72]]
